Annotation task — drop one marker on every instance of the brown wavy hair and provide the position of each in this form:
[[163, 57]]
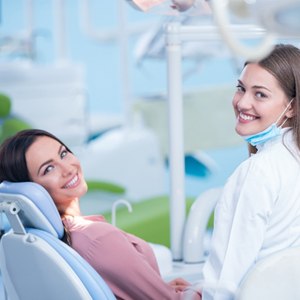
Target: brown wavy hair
[[284, 64]]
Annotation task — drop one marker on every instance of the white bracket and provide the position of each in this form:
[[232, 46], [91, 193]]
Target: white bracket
[[11, 209]]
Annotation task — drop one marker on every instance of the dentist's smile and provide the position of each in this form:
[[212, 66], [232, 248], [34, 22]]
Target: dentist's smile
[[246, 117]]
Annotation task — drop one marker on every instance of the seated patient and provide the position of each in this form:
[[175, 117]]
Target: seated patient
[[125, 262]]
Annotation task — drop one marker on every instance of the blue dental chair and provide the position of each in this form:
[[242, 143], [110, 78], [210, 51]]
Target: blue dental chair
[[34, 262]]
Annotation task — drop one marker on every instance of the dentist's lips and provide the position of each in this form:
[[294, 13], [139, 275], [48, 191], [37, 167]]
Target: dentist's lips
[[72, 183], [245, 117]]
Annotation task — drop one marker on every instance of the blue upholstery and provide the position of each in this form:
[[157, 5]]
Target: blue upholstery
[[90, 278], [43, 228], [41, 200]]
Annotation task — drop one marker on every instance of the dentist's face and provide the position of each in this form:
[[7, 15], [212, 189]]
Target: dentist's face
[[258, 101], [57, 170]]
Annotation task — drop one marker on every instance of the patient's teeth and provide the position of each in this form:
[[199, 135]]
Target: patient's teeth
[[72, 182]]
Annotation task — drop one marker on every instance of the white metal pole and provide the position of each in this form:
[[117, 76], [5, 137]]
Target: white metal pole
[[176, 149], [60, 30], [125, 72], [29, 17]]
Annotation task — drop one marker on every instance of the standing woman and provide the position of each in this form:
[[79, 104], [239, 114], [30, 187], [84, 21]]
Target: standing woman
[[126, 262], [258, 213]]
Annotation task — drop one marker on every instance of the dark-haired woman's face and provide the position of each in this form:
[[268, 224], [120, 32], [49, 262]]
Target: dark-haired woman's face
[[57, 170]]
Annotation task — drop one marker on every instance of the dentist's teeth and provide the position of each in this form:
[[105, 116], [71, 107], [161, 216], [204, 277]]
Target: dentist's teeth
[[72, 182], [246, 117]]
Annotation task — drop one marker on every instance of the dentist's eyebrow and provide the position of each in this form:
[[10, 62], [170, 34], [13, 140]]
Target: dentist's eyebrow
[[261, 87], [255, 86], [50, 160]]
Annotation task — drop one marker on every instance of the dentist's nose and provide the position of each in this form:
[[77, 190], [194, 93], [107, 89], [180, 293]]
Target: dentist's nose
[[244, 102]]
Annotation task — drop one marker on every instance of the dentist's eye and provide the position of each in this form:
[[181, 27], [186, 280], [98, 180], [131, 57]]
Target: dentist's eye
[[260, 95], [240, 88]]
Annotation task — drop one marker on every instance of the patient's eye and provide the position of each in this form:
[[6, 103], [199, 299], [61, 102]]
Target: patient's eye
[[63, 153], [48, 169]]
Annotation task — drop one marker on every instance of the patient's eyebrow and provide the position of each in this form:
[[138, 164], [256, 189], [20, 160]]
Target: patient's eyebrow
[[49, 160]]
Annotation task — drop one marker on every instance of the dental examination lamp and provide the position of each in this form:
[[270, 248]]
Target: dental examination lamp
[[280, 18], [167, 7]]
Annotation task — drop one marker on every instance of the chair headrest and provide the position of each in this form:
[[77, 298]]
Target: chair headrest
[[37, 207]]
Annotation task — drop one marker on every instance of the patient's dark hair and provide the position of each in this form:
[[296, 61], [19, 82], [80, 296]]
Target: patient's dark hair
[[13, 166]]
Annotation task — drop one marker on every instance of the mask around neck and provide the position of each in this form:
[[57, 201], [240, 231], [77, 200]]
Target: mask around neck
[[261, 137]]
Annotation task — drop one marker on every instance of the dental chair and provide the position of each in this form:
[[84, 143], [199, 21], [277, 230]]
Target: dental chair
[[276, 277], [34, 262]]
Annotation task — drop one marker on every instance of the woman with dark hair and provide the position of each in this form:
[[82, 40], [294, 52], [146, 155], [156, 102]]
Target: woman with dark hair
[[124, 261], [13, 150], [258, 212]]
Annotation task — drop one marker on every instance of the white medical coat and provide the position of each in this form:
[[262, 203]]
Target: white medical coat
[[258, 214]]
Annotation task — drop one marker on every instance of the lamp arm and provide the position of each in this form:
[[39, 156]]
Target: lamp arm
[[249, 53]]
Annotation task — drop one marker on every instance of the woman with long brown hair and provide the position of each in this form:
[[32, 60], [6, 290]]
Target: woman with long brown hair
[[258, 213]]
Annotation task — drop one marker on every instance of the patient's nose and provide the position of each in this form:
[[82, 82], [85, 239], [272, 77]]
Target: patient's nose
[[66, 169]]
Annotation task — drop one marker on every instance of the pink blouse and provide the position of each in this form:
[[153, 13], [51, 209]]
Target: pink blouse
[[126, 262]]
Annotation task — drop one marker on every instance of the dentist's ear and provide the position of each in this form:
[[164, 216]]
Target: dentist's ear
[[290, 113], [291, 110]]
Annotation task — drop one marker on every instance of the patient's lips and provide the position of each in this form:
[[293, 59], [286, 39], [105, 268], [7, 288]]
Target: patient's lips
[[72, 183]]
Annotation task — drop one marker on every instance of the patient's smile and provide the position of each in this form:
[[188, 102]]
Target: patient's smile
[[72, 183], [58, 170]]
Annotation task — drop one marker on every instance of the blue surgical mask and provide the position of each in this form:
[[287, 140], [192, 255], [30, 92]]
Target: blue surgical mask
[[269, 133]]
